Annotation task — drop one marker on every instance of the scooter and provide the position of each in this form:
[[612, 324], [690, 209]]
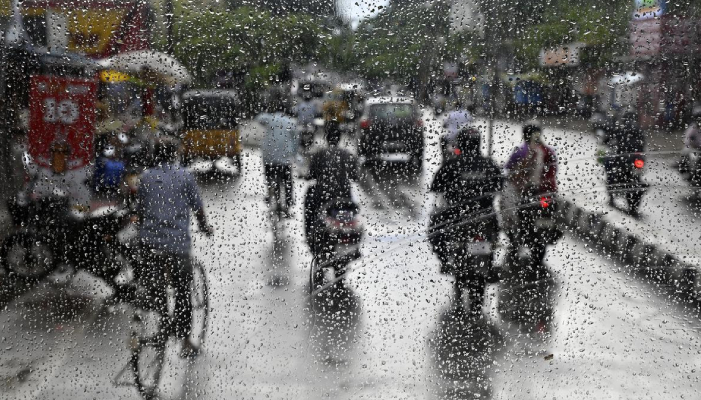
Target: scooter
[[536, 228], [624, 178], [335, 240], [50, 233], [464, 240], [528, 292]]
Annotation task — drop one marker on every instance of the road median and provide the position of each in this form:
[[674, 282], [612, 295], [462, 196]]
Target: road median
[[649, 260]]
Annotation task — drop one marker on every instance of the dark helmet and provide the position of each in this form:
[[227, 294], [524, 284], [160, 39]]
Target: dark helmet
[[531, 129], [469, 141], [165, 150], [333, 136]]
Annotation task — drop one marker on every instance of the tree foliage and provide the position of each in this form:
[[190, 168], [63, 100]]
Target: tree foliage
[[601, 25], [244, 39]]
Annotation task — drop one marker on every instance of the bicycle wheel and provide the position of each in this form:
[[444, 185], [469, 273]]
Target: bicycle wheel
[[199, 295], [149, 339]]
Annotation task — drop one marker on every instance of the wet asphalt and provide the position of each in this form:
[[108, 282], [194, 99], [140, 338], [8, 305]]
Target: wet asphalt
[[585, 329]]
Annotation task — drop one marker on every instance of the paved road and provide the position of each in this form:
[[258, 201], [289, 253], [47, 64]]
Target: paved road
[[393, 333], [668, 220]]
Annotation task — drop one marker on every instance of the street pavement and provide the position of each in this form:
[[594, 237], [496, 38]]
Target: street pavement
[[669, 220], [586, 331]]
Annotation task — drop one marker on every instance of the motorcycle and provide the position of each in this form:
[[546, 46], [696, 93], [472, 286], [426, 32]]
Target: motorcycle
[[536, 228], [464, 240], [51, 234], [336, 239], [624, 178]]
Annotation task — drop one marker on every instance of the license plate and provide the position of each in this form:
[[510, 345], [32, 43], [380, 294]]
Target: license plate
[[544, 223], [395, 157], [479, 248]]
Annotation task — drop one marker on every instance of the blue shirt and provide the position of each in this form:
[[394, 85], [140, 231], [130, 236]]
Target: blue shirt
[[167, 194], [280, 140]]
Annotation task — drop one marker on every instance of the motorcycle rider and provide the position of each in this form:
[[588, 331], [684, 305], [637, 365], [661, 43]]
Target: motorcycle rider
[[469, 183], [279, 148], [306, 112], [167, 194], [623, 141], [333, 169], [531, 171]]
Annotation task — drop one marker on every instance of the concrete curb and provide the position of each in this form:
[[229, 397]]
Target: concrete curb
[[644, 259]]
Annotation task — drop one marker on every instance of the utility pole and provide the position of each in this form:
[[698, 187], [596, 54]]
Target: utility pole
[[168, 11]]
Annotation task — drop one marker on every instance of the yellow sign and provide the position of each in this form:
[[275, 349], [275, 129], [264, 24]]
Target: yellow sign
[[113, 76]]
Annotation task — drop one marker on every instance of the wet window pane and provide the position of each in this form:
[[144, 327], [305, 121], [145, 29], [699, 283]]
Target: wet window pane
[[379, 199]]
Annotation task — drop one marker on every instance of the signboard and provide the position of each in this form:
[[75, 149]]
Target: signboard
[[666, 36], [645, 37], [649, 9], [566, 55], [96, 28], [62, 114]]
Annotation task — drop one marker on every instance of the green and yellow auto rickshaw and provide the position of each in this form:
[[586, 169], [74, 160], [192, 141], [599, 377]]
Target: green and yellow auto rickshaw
[[211, 139]]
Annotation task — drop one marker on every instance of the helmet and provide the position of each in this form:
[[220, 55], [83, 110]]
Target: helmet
[[531, 129], [469, 140]]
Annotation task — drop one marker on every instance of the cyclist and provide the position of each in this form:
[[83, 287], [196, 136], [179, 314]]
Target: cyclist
[[166, 196], [279, 148]]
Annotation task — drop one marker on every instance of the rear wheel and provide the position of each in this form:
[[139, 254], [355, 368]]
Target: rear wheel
[[238, 163], [199, 296], [27, 256], [148, 344]]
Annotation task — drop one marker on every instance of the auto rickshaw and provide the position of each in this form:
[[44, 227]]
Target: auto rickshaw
[[342, 108], [211, 138]]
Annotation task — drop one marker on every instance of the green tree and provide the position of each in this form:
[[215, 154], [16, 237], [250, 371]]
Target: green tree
[[244, 39], [601, 25]]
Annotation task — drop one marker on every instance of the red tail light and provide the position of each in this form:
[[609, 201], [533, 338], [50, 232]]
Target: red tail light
[[479, 238], [364, 124], [457, 151], [639, 163], [545, 202]]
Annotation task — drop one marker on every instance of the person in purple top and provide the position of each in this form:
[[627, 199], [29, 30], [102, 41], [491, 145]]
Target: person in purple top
[[532, 167], [166, 196], [531, 170]]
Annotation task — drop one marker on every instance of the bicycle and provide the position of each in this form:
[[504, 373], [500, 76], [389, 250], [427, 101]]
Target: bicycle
[[151, 332]]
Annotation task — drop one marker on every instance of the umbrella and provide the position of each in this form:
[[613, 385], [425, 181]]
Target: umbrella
[[163, 66]]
